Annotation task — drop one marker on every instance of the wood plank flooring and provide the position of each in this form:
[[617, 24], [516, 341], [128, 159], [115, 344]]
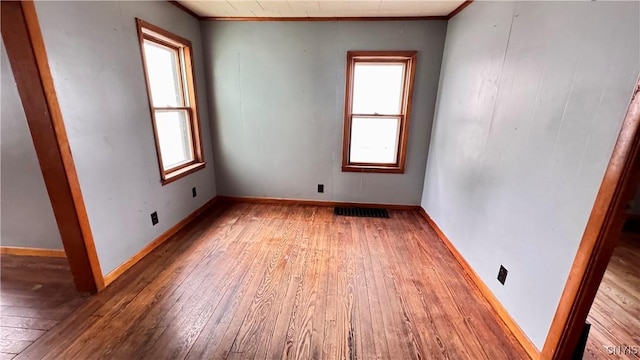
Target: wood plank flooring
[[615, 313], [255, 281], [36, 293]]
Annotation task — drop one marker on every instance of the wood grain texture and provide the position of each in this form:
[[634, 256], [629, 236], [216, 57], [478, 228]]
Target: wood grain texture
[[37, 293], [252, 280], [599, 239], [26, 51], [502, 313], [276, 201], [155, 243], [615, 313], [21, 251]]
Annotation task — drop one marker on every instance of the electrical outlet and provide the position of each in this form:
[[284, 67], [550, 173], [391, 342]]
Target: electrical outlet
[[320, 188], [154, 217], [502, 274], [193, 191]]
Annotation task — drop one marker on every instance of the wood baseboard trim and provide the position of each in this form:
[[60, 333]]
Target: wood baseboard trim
[[502, 313], [23, 251], [30, 66], [302, 202], [114, 274]]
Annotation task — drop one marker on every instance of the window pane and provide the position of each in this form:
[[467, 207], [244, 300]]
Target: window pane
[[174, 136], [374, 140], [377, 88], [162, 69]]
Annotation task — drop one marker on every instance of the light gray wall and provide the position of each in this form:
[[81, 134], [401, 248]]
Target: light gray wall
[[27, 216], [531, 99], [277, 102], [97, 70]]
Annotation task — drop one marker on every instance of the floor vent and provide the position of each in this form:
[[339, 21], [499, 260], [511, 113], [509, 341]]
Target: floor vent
[[362, 212]]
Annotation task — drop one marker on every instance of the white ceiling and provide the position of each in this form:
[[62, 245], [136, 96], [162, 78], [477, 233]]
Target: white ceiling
[[320, 8]]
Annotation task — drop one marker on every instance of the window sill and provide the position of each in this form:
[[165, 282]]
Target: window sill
[[180, 173], [373, 169]]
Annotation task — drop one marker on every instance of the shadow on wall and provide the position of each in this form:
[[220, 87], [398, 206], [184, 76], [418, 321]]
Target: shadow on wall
[[277, 95]]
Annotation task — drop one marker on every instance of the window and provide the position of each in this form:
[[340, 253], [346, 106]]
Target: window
[[168, 72], [377, 104]]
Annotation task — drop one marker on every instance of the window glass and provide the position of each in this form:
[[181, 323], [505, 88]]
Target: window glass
[[377, 88], [162, 70], [174, 136], [377, 106], [374, 140]]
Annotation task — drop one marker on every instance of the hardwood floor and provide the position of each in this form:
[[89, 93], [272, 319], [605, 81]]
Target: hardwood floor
[[265, 281], [615, 313], [36, 293]]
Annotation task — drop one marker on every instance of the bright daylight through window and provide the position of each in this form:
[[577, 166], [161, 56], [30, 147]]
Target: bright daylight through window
[[171, 88], [377, 105]]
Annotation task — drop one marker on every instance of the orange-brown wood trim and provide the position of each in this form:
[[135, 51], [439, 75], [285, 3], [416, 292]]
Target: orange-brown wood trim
[[139, 25], [348, 106], [179, 174], [192, 92], [599, 239], [501, 312], [353, 57], [373, 169], [28, 58], [113, 275], [301, 202], [177, 40], [458, 9], [23, 251], [404, 127], [185, 9], [318, 18], [322, 18], [171, 175]]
